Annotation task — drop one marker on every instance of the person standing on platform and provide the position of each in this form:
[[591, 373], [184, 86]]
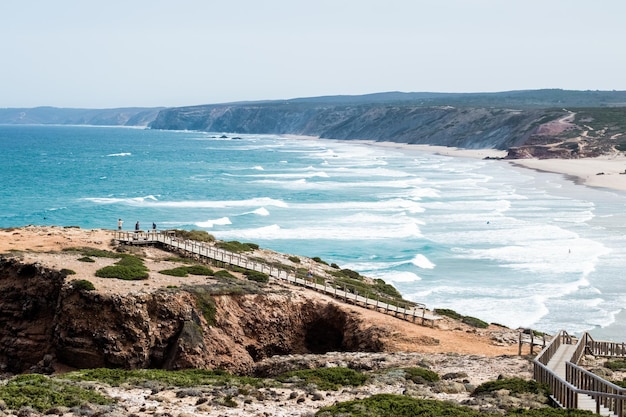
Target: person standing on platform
[[120, 222], [137, 226]]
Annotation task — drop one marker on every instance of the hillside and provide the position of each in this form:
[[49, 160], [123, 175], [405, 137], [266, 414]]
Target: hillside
[[548, 123]]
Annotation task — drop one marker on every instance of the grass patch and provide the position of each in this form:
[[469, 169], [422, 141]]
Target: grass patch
[[128, 268], [182, 378], [325, 378], [42, 393]]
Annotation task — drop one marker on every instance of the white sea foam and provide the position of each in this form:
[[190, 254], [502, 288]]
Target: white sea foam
[[422, 262], [210, 223], [328, 232], [258, 168], [120, 154], [398, 276], [151, 201]]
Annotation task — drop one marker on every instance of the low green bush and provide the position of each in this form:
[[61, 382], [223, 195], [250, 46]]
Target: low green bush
[[235, 246], [68, 271], [474, 322], [223, 274], [180, 378], [181, 271], [448, 313], [199, 270], [43, 393], [128, 268], [616, 365], [83, 285], [514, 385], [421, 375], [393, 405], [197, 235], [86, 259], [294, 259], [319, 260], [326, 378], [257, 276]]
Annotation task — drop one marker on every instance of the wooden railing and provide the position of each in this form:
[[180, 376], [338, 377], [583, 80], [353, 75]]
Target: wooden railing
[[409, 311], [578, 380]]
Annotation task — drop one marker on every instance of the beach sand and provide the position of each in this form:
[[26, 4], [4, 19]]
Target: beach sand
[[607, 171]]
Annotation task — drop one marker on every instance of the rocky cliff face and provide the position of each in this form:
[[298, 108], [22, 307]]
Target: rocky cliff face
[[43, 320], [473, 128]]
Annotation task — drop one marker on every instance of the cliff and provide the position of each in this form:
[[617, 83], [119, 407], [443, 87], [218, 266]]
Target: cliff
[[542, 123], [49, 322]]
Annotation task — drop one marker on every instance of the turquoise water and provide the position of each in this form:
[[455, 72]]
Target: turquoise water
[[484, 238]]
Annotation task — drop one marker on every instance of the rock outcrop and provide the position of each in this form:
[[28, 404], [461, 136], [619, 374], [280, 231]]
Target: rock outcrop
[[42, 317]]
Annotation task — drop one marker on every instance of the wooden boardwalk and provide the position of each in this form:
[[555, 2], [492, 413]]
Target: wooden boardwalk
[[574, 387], [415, 313]]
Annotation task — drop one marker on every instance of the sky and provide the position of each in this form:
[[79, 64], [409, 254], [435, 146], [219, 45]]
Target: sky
[[153, 53]]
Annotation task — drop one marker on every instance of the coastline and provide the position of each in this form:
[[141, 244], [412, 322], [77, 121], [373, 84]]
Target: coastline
[[607, 171]]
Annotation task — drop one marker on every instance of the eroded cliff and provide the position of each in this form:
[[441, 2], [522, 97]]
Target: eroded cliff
[[45, 320]]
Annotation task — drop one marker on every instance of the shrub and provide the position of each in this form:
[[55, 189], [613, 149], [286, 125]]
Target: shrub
[[197, 235], [319, 260], [83, 285], [326, 378], [257, 276], [85, 259], [616, 365], [294, 259], [199, 270], [474, 322], [42, 393], [182, 378], [181, 271], [514, 385], [448, 313], [66, 272], [393, 405], [223, 274], [421, 375], [388, 289], [237, 247], [127, 268]]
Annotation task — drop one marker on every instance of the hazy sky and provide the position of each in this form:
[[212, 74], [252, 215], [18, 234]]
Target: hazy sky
[[114, 53]]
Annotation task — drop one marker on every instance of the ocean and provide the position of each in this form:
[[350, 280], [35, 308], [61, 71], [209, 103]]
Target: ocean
[[482, 237]]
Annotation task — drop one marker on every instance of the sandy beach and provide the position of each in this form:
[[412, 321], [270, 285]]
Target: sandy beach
[[607, 171]]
